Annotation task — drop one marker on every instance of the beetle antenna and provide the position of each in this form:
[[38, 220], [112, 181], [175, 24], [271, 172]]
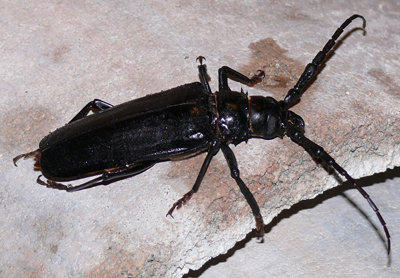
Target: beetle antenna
[[319, 153], [311, 69]]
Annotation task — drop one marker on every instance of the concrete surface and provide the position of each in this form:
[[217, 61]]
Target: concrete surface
[[333, 235], [57, 56]]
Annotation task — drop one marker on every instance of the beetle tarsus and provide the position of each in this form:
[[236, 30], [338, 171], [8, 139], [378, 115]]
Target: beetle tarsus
[[259, 225], [25, 156], [52, 184], [257, 77], [181, 202], [200, 59]]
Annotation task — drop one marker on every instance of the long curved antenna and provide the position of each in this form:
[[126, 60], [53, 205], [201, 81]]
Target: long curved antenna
[[311, 69], [319, 153]]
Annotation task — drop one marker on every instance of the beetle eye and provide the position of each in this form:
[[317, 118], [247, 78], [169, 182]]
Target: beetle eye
[[296, 120]]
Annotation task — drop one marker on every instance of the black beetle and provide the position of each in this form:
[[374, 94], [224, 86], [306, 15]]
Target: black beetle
[[121, 141]]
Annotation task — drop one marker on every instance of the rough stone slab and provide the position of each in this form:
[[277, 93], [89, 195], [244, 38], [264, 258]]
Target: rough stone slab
[[57, 56]]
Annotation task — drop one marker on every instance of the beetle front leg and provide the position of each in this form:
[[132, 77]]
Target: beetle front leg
[[226, 72], [182, 201], [232, 163], [96, 105]]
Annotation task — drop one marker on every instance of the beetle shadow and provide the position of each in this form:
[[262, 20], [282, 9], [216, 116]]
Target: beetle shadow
[[303, 205]]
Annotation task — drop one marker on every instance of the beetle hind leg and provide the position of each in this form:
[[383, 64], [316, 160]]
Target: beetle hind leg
[[182, 201], [52, 184], [112, 176], [104, 179]]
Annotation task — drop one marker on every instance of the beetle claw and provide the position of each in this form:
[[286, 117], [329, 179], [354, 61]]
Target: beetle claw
[[200, 59], [181, 202], [259, 225]]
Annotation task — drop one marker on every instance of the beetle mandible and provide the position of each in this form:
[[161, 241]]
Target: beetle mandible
[[121, 141]]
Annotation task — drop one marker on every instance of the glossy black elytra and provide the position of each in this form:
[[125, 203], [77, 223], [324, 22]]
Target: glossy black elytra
[[121, 141]]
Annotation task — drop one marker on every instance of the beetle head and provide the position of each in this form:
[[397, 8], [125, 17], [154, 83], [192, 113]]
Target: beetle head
[[270, 118]]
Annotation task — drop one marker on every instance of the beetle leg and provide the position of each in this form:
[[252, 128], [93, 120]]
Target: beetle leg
[[311, 69], [112, 176], [233, 166], [26, 156], [318, 152], [105, 178], [52, 184], [95, 106], [203, 74], [182, 201], [226, 72]]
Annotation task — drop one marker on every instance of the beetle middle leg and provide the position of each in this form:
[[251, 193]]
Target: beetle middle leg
[[224, 73], [203, 74], [232, 163], [96, 105]]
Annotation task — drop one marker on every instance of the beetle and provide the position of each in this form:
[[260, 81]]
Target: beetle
[[117, 142]]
